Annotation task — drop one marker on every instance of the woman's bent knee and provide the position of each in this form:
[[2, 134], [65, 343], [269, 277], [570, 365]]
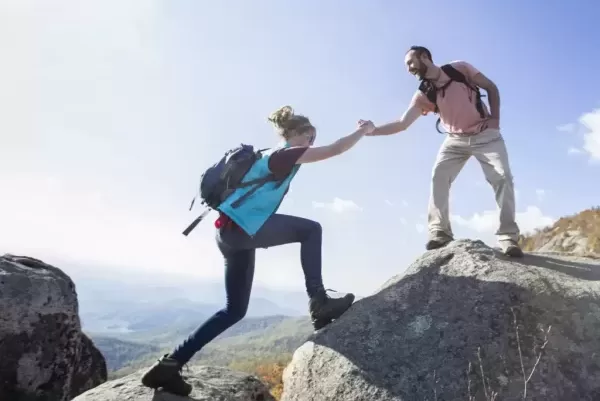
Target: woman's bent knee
[[235, 314], [307, 228], [315, 229]]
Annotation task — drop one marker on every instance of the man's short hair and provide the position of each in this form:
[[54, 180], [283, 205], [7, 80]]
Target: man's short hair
[[419, 50]]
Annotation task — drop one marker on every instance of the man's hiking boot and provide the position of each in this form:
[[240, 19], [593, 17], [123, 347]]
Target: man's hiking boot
[[166, 374], [438, 240], [511, 248], [324, 309]]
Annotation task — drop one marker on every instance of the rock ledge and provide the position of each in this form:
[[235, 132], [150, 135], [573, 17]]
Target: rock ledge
[[210, 384], [445, 330]]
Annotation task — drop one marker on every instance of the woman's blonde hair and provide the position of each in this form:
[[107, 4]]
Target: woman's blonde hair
[[289, 124]]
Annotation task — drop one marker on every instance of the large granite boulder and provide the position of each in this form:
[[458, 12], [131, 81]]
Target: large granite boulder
[[209, 384], [463, 323], [44, 355]]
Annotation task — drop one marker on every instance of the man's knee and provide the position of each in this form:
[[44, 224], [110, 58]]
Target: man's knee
[[437, 173], [499, 177], [440, 174]]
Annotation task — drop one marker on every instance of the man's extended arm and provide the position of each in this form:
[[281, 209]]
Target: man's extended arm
[[403, 123], [492, 91]]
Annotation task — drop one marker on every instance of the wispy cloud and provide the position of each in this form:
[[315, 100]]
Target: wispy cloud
[[566, 127], [420, 228], [541, 194], [591, 138], [390, 203], [574, 151], [590, 123], [338, 206], [487, 221], [403, 221]]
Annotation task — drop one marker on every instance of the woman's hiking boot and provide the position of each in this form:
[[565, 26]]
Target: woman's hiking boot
[[166, 374], [324, 309]]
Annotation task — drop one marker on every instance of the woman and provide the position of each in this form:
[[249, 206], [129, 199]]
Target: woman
[[241, 230]]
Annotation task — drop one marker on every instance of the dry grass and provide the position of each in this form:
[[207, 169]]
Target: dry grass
[[269, 371], [538, 353], [586, 222], [538, 350]]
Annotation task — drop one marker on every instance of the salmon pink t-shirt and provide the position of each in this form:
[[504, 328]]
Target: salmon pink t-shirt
[[457, 110]]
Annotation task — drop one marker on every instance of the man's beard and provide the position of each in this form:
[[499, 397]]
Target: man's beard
[[422, 71]]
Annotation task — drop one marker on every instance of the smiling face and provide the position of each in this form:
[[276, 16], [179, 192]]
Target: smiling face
[[417, 63]]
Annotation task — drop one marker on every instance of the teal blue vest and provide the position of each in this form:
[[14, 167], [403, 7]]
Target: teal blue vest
[[254, 212]]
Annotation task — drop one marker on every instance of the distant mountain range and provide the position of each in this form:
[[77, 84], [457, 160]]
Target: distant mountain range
[[133, 321], [113, 316], [110, 304], [259, 338], [133, 318], [119, 353]]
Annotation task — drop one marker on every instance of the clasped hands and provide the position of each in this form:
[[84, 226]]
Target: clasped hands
[[366, 126]]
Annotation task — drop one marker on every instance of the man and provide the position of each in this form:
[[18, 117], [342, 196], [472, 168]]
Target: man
[[452, 91]]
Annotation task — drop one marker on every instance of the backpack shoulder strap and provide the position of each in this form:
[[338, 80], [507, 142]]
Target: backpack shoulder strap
[[454, 74], [194, 223], [259, 182], [429, 90], [458, 76]]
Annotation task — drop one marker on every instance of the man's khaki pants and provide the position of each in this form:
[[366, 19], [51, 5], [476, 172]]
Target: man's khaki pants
[[489, 149]]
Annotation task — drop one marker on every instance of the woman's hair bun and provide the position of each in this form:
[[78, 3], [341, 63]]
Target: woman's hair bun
[[281, 117]]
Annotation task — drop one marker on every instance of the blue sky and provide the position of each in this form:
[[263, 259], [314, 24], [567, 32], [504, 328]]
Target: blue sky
[[111, 109]]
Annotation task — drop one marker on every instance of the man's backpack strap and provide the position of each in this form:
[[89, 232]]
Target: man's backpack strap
[[453, 73], [457, 76], [429, 90]]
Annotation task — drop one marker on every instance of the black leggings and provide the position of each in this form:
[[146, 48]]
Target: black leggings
[[239, 250]]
